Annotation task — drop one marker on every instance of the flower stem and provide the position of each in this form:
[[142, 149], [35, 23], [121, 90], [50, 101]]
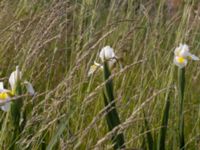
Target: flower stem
[[181, 81], [112, 116], [15, 115]]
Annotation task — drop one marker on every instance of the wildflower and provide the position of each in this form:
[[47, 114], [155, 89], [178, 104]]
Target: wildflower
[[6, 95], [182, 55], [106, 54]]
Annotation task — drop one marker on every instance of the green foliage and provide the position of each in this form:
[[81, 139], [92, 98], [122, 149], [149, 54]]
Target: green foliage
[[56, 41]]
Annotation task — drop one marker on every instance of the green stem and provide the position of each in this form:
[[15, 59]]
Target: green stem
[[181, 81], [112, 116], [15, 115]]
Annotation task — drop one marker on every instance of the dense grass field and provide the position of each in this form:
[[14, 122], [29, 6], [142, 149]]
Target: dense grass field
[[54, 43]]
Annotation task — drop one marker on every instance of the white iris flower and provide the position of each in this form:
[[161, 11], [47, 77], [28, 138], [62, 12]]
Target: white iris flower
[[182, 54], [6, 95], [106, 54]]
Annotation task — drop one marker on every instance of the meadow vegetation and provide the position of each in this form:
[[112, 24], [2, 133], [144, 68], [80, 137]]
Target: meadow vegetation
[[55, 42]]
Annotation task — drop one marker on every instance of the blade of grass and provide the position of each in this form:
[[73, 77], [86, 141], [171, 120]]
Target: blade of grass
[[143, 143], [163, 130], [149, 137], [165, 116], [59, 132]]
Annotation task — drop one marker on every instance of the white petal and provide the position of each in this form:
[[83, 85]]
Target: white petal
[[29, 88], [109, 53], [185, 47], [94, 68], [2, 89], [193, 57], [180, 65], [184, 53], [177, 51], [12, 80], [184, 50], [15, 75], [5, 107], [106, 53], [102, 54], [97, 64], [1, 86]]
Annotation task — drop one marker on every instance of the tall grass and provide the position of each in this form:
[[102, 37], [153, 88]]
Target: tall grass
[[56, 41]]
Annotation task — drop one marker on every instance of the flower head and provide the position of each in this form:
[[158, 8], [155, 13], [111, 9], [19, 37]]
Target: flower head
[[182, 54], [107, 53], [6, 95]]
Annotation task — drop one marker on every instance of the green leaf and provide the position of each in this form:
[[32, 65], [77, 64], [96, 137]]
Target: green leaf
[[59, 132], [150, 141], [163, 130]]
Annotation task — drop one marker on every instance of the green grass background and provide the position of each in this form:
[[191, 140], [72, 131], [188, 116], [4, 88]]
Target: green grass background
[[56, 41]]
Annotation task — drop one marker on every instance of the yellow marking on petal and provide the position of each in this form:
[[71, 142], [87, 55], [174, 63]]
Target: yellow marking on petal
[[5, 95], [92, 69], [180, 60]]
